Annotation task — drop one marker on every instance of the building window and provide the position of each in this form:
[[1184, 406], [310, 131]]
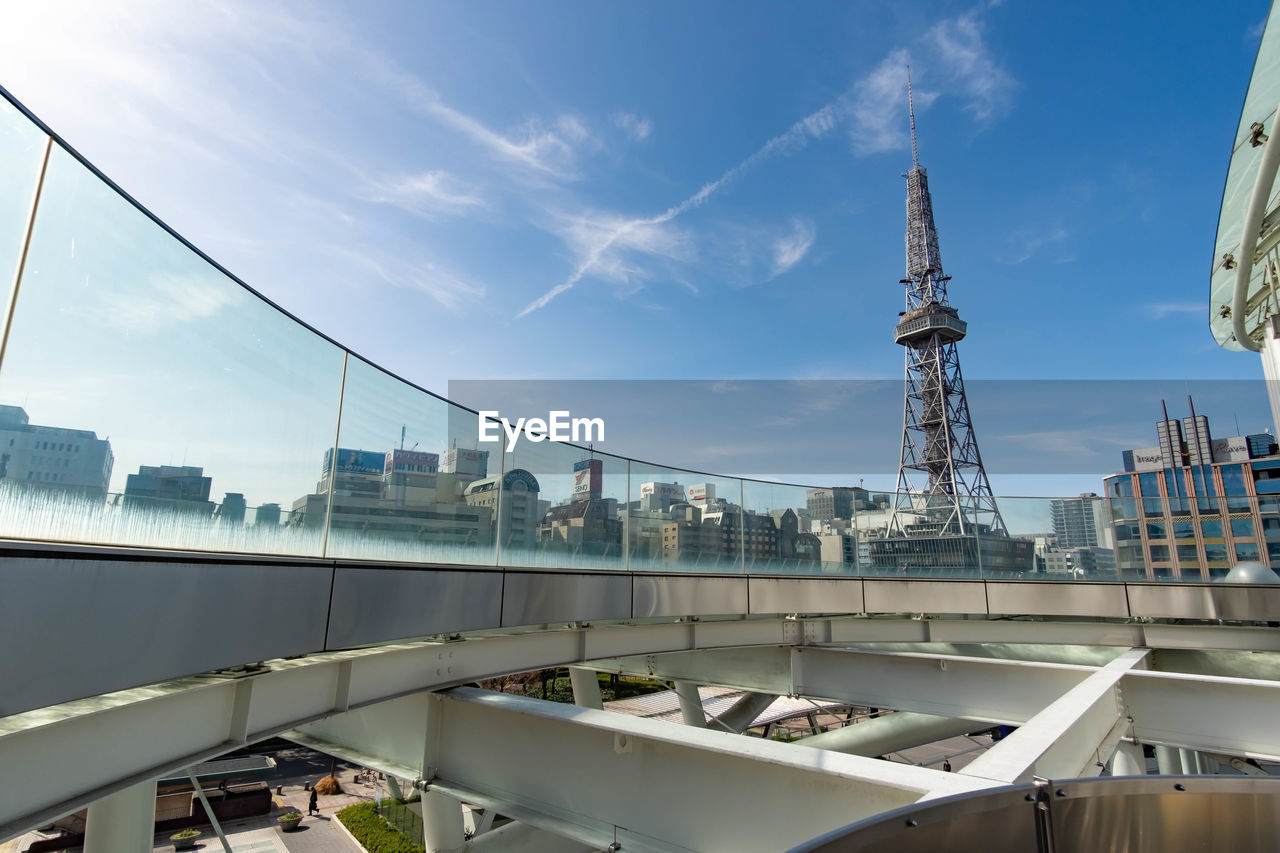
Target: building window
[[1155, 530], [1242, 527], [1188, 553], [1246, 551], [1215, 553], [1211, 528], [1159, 553]]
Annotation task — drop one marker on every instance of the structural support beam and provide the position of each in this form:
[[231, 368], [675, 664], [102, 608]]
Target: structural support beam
[[890, 733], [996, 691], [1233, 716], [586, 687], [1128, 760], [1074, 736], [690, 704], [97, 746], [523, 838], [123, 822], [565, 769], [744, 712]]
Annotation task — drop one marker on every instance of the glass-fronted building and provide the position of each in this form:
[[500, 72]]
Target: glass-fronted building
[[1194, 507]]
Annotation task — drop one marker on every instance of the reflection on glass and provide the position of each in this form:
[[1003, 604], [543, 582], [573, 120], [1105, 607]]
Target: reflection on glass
[[401, 480], [561, 506], [786, 529], [684, 521], [136, 369]]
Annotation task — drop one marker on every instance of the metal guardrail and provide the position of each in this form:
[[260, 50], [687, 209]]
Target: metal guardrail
[[1172, 814]]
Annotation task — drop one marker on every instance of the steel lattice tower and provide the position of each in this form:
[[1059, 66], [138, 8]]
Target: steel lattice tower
[[937, 434]]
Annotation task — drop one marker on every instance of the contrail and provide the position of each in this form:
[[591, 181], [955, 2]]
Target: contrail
[[814, 125]]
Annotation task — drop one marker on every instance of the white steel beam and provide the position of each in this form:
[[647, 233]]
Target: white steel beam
[[988, 689], [890, 733], [1233, 716], [93, 747], [601, 777], [586, 687], [123, 822], [691, 710], [1073, 736]]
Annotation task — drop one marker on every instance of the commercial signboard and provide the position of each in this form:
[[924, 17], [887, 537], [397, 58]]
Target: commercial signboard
[[355, 461], [412, 462], [588, 478], [671, 491]]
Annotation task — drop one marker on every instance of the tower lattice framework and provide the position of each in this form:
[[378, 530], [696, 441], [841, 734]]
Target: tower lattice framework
[[940, 474]]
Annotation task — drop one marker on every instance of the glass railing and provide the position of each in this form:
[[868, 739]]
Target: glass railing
[[150, 399]]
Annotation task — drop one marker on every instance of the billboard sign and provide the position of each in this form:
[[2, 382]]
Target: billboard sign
[[588, 478], [670, 491], [411, 462], [356, 461]]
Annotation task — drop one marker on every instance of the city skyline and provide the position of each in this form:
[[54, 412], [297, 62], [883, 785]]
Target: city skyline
[[630, 209], [168, 304]]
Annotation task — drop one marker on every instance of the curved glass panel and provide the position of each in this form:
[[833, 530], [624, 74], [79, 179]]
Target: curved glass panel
[[21, 149], [683, 521], [561, 506], [149, 399], [144, 389], [400, 479], [778, 530]]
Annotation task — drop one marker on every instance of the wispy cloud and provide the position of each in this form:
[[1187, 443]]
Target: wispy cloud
[[635, 127], [427, 277], [163, 302], [964, 57], [1255, 32], [1025, 243], [426, 193], [815, 125], [879, 108], [1075, 442], [1160, 310], [546, 147], [789, 249]]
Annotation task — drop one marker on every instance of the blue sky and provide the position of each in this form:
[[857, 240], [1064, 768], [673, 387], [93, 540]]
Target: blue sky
[[676, 191]]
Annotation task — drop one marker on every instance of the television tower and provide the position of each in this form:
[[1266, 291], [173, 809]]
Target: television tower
[[938, 443]]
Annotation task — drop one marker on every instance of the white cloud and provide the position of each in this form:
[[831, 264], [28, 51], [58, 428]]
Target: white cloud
[[597, 254], [165, 301], [635, 127], [424, 276], [1027, 242], [789, 249], [426, 193], [547, 148], [964, 57], [1160, 310]]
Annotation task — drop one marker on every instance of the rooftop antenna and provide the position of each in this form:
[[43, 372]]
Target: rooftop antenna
[[911, 110], [402, 429]]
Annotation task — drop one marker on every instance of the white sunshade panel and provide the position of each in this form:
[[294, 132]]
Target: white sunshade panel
[[1259, 106]]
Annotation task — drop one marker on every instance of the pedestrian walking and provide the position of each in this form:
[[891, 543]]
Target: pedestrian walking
[[314, 804], [946, 766]]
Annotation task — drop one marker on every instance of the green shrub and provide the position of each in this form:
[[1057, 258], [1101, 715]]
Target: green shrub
[[374, 833]]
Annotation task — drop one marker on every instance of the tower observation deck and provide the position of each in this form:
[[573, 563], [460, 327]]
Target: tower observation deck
[[944, 511]]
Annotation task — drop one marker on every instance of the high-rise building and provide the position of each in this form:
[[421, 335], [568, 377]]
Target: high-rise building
[[395, 494], [175, 487], [826, 504], [1081, 522], [53, 457], [945, 515], [1193, 506], [513, 497]]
